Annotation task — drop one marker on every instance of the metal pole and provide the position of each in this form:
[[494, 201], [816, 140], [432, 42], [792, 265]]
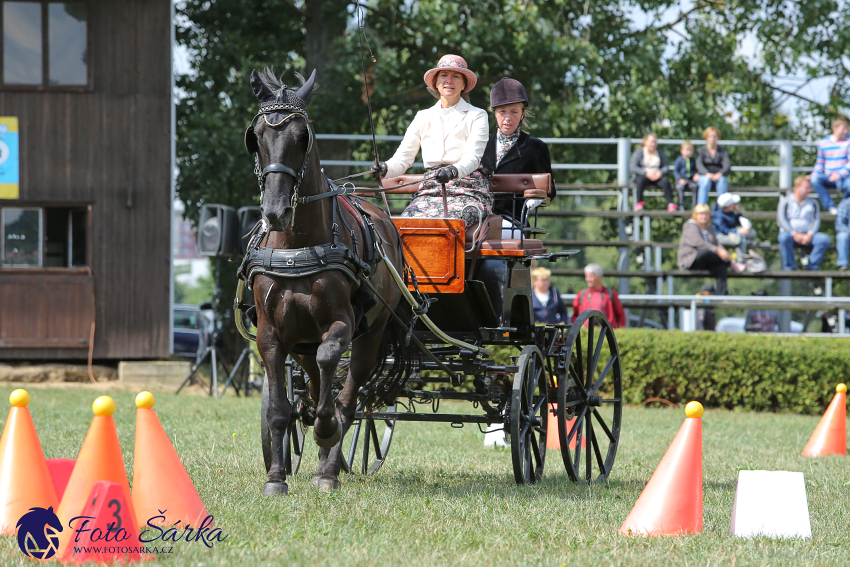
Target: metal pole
[[786, 164], [785, 316], [623, 147], [671, 311], [693, 315]]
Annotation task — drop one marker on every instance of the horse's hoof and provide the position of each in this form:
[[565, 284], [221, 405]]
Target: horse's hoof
[[275, 489], [315, 480], [330, 441], [325, 485]]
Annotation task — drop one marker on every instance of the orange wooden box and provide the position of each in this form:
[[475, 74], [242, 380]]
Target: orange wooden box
[[434, 250]]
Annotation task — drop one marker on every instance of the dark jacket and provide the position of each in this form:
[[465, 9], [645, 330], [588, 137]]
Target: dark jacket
[[719, 163], [553, 312], [724, 222], [680, 168], [527, 155], [636, 163]]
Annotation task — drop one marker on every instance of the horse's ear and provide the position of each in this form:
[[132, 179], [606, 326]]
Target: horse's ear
[[262, 91], [305, 91]]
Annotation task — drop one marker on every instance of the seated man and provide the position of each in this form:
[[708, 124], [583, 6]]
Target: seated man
[[831, 168], [731, 227], [799, 220], [842, 233]]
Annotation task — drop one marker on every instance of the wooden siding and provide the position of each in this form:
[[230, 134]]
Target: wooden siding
[[111, 148]]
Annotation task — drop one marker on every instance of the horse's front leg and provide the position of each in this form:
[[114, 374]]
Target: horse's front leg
[[279, 409], [326, 429]]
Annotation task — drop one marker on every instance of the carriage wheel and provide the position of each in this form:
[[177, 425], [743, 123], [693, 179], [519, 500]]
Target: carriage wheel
[[590, 389], [528, 418], [293, 439], [376, 439]]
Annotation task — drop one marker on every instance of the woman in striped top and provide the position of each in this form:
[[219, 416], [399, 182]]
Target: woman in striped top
[[832, 170]]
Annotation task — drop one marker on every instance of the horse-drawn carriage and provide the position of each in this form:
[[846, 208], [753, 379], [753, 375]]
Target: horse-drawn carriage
[[467, 295]]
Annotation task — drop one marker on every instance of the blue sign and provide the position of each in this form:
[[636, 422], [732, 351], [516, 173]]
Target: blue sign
[[9, 158]]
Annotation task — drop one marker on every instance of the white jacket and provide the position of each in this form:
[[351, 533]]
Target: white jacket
[[462, 145]]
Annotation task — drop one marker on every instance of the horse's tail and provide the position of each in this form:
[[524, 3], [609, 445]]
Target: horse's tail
[[394, 366]]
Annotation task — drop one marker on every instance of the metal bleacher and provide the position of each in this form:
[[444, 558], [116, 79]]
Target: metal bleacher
[[635, 234]]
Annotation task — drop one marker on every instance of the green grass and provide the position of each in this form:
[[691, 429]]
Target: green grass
[[443, 499]]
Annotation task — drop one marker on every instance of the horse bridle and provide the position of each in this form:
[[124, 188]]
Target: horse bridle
[[265, 110]]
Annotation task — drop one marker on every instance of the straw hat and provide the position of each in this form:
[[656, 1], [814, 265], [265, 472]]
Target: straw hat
[[454, 63]]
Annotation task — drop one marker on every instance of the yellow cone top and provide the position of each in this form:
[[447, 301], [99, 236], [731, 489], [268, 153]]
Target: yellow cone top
[[694, 409], [103, 406], [145, 400], [19, 398], [841, 388]]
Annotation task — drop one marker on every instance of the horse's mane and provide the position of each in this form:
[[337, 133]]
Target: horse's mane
[[275, 82]]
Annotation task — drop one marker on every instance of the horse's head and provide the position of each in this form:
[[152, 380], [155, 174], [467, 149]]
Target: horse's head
[[282, 139]]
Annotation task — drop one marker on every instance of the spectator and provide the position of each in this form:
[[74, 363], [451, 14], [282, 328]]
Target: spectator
[[685, 173], [649, 164], [706, 318], [729, 224], [699, 249], [762, 320], [548, 306], [598, 297], [799, 220], [842, 232], [713, 166], [831, 168]]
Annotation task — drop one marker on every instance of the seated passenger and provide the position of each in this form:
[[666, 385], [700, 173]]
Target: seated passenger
[[452, 135], [511, 150]]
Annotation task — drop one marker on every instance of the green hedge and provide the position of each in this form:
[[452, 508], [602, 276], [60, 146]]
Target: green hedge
[[747, 371]]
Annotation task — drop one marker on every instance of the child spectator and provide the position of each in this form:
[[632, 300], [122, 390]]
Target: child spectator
[[548, 306], [799, 220], [598, 297], [730, 225], [685, 172], [831, 168], [713, 166], [842, 232], [649, 164]]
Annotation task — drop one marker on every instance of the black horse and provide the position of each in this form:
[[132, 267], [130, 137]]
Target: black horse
[[313, 316]]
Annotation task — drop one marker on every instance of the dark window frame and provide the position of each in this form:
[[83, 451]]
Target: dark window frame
[[45, 85], [88, 206]]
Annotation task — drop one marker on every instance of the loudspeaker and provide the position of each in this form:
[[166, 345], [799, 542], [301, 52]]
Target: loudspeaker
[[218, 231], [248, 217]]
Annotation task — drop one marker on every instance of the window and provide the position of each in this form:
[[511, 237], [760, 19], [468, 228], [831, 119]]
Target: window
[[49, 237], [45, 44]]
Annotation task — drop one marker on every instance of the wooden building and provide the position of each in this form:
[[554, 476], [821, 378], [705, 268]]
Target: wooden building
[[86, 234]]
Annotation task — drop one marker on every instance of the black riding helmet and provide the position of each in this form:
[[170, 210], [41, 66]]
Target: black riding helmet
[[507, 91]]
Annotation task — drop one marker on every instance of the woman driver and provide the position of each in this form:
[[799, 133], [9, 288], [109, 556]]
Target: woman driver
[[452, 135]]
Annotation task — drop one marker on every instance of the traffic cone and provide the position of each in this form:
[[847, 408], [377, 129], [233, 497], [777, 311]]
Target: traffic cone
[[24, 479], [161, 485], [830, 436], [553, 437], [100, 458], [671, 503]]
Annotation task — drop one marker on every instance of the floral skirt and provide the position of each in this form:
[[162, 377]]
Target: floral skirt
[[468, 198]]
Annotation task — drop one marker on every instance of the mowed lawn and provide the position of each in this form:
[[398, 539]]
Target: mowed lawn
[[443, 499]]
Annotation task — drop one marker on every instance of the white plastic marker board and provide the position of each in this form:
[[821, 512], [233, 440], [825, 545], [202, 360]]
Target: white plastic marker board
[[771, 503]]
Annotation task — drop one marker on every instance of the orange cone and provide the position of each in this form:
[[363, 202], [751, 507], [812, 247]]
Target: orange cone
[[830, 436], [100, 458], [160, 482], [553, 438], [671, 503], [24, 479]]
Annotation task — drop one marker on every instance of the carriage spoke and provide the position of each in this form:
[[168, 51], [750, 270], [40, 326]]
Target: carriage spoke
[[537, 405], [604, 426], [535, 447], [610, 400], [365, 462], [579, 361], [354, 438], [578, 382], [588, 460], [596, 450], [577, 424], [524, 431], [591, 368], [603, 374], [577, 458], [373, 429]]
